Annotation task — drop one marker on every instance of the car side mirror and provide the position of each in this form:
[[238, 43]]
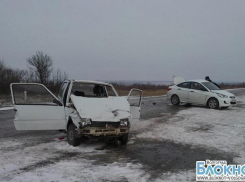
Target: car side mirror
[[57, 102]]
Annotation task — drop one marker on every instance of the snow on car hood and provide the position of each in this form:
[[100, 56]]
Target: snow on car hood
[[110, 109], [224, 92]]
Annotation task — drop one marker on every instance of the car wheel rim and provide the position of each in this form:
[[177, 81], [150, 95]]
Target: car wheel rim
[[212, 104], [175, 100], [71, 135]]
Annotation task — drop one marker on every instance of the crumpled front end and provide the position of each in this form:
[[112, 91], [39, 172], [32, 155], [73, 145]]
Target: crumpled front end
[[107, 117], [88, 127]]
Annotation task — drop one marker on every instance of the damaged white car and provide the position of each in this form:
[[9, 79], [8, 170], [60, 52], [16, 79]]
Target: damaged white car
[[85, 109]]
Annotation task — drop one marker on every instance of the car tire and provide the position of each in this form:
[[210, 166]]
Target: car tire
[[175, 100], [71, 138], [124, 139], [213, 103]]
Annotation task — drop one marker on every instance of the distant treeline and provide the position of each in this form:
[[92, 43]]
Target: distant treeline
[[232, 85], [40, 70]]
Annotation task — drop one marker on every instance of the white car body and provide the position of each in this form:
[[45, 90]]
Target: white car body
[[189, 94], [58, 112]]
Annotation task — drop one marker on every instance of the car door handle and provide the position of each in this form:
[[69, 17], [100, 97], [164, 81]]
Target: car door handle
[[179, 89], [191, 91]]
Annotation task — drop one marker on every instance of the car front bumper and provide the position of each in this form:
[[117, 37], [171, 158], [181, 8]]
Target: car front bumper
[[103, 131], [226, 102]]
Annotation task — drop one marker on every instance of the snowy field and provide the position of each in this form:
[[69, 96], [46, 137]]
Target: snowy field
[[46, 158]]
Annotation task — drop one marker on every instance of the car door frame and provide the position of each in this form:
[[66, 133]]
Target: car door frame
[[28, 116], [135, 110]]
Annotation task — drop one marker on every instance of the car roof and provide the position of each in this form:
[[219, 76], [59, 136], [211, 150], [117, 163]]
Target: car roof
[[91, 81]]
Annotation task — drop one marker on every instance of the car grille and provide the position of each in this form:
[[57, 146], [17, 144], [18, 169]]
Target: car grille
[[232, 97], [103, 124]]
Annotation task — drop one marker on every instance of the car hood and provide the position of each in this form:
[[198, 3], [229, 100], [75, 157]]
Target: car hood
[[224, 92], [110, 109]]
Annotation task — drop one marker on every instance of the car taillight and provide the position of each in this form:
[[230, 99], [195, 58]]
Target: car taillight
[[169, 89]]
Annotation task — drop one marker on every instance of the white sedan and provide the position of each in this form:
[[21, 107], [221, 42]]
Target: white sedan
[[200, 92]]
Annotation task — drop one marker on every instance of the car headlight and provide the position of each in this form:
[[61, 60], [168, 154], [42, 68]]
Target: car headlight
[[222, 96], [86, 121], [124, 122]]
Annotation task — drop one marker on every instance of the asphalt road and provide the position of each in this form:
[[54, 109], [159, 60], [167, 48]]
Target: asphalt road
[[157, 157]]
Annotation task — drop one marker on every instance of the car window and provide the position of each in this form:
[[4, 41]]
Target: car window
[[185, 85], [210, 86], [88, 90], [110, 91], [32, 94], [134, 98], [197, 86]]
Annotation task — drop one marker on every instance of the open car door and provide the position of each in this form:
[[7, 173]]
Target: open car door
[[36, 108], [134, 99]]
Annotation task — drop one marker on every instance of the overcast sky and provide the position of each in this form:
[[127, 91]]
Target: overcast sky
[[128, 39]]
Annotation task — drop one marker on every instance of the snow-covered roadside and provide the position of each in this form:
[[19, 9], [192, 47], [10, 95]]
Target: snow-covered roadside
[[26, 160], [85, 170], [220, 129]]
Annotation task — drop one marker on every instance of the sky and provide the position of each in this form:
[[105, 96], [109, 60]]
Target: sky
[[128, 39]]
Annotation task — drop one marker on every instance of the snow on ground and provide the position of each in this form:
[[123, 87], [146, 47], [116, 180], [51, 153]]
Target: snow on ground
[[26, 160], [33, 159], [85, 170], [221, 129], [180, 176]]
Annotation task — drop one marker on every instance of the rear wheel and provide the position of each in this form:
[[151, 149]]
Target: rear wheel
[[124, 139], [175, 100], [71, 137], [213, 103]]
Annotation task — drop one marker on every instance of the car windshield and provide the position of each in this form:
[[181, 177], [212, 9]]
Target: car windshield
[[92, 90], [210, 86]]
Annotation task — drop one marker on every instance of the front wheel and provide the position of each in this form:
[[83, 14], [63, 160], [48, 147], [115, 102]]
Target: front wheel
[[175, 100], [71, 137], [213, 103], [124, 139]]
